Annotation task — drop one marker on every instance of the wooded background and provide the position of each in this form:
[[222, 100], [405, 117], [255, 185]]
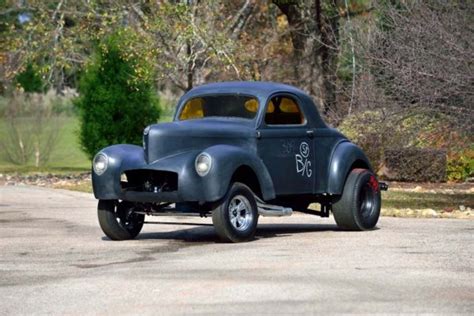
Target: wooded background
[[391, 74]]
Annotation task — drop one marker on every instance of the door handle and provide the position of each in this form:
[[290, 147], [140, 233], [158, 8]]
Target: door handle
[[310, 133]]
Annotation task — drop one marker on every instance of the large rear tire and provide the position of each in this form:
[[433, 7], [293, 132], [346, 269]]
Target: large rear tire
[[118, 220], [235, 220], [359, 206]]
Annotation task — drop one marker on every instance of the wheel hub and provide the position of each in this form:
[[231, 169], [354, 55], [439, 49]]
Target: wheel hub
[[240, 213]]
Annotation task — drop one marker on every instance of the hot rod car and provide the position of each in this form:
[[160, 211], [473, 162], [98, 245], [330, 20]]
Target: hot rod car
[[234, 151]]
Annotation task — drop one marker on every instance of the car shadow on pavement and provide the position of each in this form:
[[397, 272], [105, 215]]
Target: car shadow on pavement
[[282, 230], [205, 233]]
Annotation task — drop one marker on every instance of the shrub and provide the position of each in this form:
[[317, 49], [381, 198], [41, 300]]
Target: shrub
[[415, 164], [117, 99], [32, 128], [29, 79], [460, 165], [376, 132]]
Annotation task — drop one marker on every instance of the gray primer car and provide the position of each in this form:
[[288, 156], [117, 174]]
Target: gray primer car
[[236, 150]]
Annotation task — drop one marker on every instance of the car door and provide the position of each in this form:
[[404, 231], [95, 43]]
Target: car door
[[285, 145]]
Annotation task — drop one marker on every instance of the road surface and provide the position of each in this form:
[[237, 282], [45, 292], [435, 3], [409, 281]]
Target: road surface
[[55, 259]]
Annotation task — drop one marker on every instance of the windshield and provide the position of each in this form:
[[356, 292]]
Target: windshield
[[240, 106]]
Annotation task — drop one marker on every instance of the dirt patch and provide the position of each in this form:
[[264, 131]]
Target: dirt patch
[[76, 182], [428, 187]]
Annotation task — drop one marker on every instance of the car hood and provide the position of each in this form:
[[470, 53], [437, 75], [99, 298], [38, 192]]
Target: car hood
[[164, 139]]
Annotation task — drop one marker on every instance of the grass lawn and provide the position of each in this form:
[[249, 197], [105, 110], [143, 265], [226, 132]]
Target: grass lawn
[[424, 200], [65, 157]]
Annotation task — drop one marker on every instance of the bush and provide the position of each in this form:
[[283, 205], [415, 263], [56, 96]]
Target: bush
[[376, 132], [117, 99], [460, 165], [32, 128], [415, 164], [29, 79]]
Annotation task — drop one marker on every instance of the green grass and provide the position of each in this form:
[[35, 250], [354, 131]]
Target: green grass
[[423, 200], [65, 157]]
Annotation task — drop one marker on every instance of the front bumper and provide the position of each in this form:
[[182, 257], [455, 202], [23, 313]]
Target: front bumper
[[150, 197], [190, 186]]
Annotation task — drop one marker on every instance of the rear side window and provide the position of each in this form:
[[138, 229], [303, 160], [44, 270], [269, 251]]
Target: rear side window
[[240, 106], [283, 110]]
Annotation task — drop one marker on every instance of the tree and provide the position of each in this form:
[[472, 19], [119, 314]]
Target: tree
[[117, 98], [32, 128], [315, 28], [197, 40], [421, 56]]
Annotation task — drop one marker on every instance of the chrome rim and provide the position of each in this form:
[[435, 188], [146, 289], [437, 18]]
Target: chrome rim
[[240, 213]]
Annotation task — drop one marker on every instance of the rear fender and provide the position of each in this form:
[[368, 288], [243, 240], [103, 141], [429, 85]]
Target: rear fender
[[344, 157]]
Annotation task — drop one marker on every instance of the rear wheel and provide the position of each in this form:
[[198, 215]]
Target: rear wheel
[[118, 220], [235, 220], [359, 206]]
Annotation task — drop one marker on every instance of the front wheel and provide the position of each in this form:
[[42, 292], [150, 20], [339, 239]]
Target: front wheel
[[118, 220], [359, 206], [235, 220]]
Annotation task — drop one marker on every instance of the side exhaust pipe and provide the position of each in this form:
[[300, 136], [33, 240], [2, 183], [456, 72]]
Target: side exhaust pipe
[[265, 209]]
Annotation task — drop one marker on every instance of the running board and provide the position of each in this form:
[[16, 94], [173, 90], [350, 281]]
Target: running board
[[265, 209]]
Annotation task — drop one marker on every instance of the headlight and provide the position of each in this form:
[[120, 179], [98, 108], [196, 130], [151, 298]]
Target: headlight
[[203, 164], [100, 163]]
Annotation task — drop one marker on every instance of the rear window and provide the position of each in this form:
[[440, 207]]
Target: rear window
[[283, 110], [239, 106]]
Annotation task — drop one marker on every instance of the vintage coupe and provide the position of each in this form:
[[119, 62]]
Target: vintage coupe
[[234, 151]]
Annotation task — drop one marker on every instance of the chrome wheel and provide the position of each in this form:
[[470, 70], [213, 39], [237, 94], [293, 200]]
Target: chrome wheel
[[240, 213], [236, 217]]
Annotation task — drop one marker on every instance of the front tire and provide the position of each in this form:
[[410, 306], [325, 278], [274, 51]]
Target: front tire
[[118, 220], [360, 203], [235, 220]]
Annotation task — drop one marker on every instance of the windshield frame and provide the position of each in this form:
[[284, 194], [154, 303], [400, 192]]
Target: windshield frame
[[183, 102]]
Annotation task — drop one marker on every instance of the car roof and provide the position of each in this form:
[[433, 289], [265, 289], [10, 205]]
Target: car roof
[[258, 88]]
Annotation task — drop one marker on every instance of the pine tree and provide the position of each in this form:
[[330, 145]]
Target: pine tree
[[117, 99]]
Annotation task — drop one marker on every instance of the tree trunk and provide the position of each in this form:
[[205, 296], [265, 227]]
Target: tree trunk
[[326, 52], [315, 47], [189, 70]]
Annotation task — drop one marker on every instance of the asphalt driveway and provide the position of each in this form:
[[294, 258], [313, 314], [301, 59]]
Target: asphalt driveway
[[55, 259]]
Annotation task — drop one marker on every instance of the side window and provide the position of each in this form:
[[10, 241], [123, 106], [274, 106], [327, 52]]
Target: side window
[[283, 110]]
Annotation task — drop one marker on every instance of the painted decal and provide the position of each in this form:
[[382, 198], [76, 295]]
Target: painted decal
[[303, 164], [287, 148]]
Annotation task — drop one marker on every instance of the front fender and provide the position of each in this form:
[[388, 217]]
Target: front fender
[[120, 157], [226, 160], [344, 156], [191, 187]]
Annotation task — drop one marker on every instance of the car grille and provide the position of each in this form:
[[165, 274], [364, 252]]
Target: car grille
[[144, 180]]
